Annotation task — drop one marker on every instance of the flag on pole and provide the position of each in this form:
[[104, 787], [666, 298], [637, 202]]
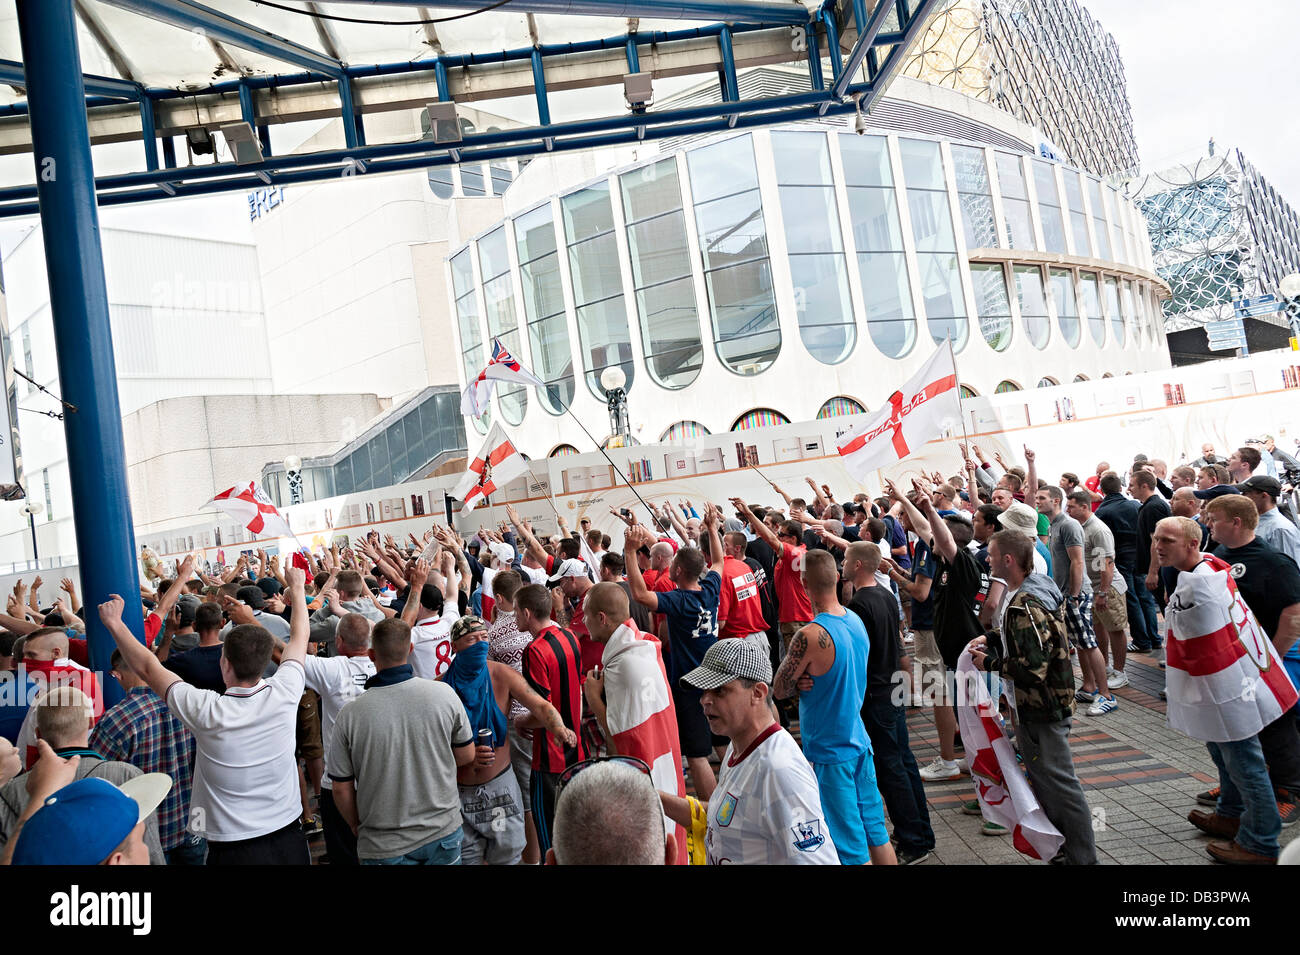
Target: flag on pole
[[1004, 794], [496, 465], [918, 412], [502, 366], [249, 505]]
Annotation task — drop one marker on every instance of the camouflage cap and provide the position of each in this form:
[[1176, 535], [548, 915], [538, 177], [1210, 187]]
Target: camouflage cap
[[466, 625]]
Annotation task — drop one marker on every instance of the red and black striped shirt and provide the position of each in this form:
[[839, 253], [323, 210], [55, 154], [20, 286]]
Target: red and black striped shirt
[[551, 666]]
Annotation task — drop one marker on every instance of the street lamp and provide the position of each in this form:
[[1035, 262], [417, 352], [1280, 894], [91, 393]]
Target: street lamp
[[31, 509], [612, 380], [293, 474]]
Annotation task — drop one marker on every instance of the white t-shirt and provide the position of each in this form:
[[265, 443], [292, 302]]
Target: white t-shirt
[[245, 774], [767, 809], [431, 646], [535, 575], [339, 681]]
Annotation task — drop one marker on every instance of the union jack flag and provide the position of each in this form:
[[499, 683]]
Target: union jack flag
[[502, 366]]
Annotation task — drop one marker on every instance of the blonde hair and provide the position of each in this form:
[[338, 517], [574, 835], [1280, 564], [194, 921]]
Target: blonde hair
[[1187, 527], [63, 716]]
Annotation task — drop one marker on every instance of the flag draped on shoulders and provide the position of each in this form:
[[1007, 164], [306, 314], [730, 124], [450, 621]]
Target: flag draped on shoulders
[[502, 366], [640, 713], [918, 412], [497, 464]]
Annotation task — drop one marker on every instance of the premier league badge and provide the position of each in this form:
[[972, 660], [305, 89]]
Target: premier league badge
[[807, 835]]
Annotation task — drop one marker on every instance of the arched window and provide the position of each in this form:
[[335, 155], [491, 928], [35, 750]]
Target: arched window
[[502, 323], [1034, 316], [840, 407], [968, 392], [759, 418], [548, 330], [1005, 386], [1080, 378], [1067, 308], [473, 356], [993, 305], [563, 451], [938, 271], [684, 430], [1047, 382]]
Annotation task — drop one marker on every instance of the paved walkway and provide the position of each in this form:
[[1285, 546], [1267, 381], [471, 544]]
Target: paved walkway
[[1140, 778]]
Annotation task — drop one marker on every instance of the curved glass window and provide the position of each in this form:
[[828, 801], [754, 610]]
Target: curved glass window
[[1090, 305], [661, 273], [814, 245], [1078, 220], [878, 240], [968, 392], [502, 323], [1015, 202], [840, 407], [472, 355], [441, 182], [936, 244], [1049, 206], [1099, 229], [1006, 386], [1116, 226], [1067, 309], [502, 176], [1034, 315], [992, 304], [1110, 289], [975, 196], [1047, 383], [471, 180], [603, 335], [733, 245], [759, 418], [1079, 378], [563, 451], [548, 330], [683, 431], [1129, 318]]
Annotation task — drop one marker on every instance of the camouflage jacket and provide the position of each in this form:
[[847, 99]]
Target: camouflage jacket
[[1033, 652]]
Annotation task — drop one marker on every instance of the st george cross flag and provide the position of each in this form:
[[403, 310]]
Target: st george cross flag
[[640, 712], [1224, 678], [495, 466], [1004, 794], [502, 366], [249, 505], [916, 413]]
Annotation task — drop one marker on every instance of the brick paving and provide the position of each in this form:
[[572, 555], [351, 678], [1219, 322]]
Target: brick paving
[[1139, 776]]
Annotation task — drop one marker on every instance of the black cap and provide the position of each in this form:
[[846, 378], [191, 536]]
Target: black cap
[[1210, 493], [252, 596], [1262, 482]]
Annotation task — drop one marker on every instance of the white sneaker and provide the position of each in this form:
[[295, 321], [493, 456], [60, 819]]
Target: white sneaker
[[963, 765], [1116, 678], [940, 770], [1103, 706]]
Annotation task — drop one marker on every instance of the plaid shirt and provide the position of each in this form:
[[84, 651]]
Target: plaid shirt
[[141, 731]]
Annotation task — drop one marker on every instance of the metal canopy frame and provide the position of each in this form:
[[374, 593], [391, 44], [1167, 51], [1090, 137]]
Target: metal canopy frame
[[67, 112], [351, 91]]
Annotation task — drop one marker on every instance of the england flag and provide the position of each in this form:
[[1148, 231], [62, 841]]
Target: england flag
[[496, 465], [502, 366], [249, 505], [918, 412]]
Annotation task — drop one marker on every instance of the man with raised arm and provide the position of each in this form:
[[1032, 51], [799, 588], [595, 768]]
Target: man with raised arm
[[793, 606], [245, 799]]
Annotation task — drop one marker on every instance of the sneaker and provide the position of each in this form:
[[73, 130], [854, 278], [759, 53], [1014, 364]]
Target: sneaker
[[963, 765], [1104, 705], [1208, 798], [1085, 696], [1116, 679], [1164, 695], [909, 638], [972, 808], [912, 856], [1135, 648], [993, 829], [1287, 810], [940, 770]]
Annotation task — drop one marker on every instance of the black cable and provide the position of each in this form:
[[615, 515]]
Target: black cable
[[39, 387], [383, 23]]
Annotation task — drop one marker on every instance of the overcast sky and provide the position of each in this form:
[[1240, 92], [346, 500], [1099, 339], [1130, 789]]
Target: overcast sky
[[1202, 68]]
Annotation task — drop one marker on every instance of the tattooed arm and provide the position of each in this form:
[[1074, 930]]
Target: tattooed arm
[[811, 654]]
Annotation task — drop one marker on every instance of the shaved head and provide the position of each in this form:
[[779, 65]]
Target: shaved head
[[605, 609]]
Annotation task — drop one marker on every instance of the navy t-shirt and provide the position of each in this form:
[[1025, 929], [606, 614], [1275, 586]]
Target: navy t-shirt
[[200, 667], [692, 623], [924, 566]]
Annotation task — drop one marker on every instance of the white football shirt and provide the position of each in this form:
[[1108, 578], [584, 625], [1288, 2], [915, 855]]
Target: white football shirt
[[339, 681], [767, 809], [431, 646]]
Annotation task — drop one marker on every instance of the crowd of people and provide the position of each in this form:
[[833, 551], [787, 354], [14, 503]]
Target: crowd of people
[[729, 682]]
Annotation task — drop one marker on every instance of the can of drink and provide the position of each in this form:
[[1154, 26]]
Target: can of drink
[[485, 738]]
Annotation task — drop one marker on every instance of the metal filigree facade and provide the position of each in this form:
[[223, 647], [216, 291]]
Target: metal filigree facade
[[1048, 63], [1219, 232]]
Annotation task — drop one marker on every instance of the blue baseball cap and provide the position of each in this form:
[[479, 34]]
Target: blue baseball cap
[[86, 820]]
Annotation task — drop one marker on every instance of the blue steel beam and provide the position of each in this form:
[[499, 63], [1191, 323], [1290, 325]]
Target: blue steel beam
[[189, 15], [148, 134], [83, 338], [900, 43], [109, 86], [730, 11], [868, 30]]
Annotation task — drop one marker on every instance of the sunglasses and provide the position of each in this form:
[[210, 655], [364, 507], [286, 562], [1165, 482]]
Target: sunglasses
[[566, 776]]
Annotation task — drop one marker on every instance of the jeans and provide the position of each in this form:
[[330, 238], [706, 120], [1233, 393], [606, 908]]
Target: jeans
[[340, 840], [444, 851], [1148, 601], [193, 850], [1137, 621], [1045, 748], [1246, 793], [897, 776], [1280, 743]]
